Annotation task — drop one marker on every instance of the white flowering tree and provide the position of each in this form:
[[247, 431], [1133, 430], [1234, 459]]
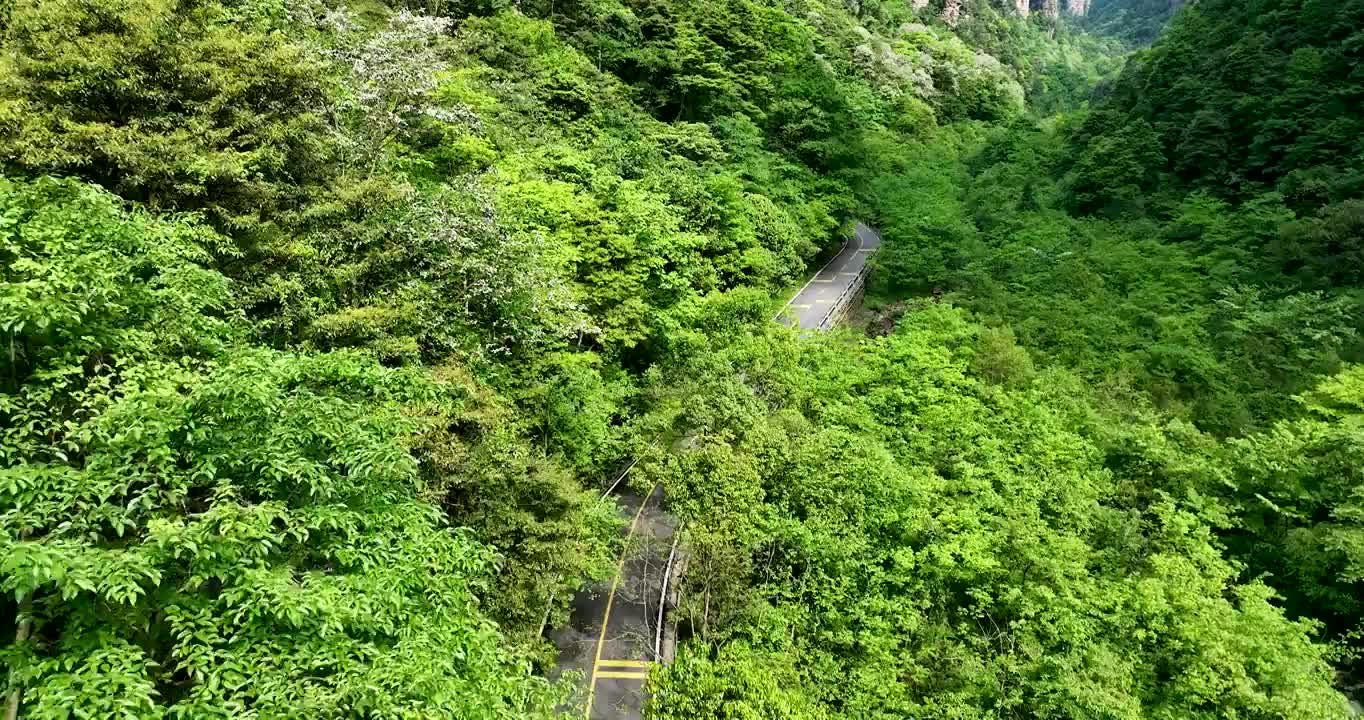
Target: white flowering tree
[[392, 76]]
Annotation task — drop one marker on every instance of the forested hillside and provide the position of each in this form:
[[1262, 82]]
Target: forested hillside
[[1136, 21], [326, 322], [1187, 250]]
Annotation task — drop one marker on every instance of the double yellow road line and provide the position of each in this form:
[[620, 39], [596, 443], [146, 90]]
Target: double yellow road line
[[625, 669], [640, 669]]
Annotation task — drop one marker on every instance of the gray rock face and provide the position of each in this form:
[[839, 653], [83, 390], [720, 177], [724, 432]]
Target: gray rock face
[[951, 12], [1079, 8], [1021, 7]]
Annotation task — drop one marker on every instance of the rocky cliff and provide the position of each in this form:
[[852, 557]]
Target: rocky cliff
[[952, 9], [951, 12]]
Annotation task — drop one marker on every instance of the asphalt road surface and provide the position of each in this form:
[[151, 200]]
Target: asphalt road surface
[[611, 632], [810, 308]]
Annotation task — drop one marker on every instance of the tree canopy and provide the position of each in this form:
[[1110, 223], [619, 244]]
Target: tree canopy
[[324, 325]]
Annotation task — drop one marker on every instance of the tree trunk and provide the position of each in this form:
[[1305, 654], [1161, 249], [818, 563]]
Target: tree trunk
[[20, 636]]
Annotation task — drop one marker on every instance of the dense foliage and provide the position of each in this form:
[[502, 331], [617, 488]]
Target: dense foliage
[[194, 528], [1136, 21], [1187, 249], [1238, 99], [325, 322], [937, 530]]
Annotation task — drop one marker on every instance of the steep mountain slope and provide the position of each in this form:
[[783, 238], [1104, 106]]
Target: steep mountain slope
[[1248, 97], [1136, 21], [1189, 248]]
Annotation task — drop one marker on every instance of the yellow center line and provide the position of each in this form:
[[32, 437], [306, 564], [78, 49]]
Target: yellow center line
[[610, 600], [624, 663], [623, 675]]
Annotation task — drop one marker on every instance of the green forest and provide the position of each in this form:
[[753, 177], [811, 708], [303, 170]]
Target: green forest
[[324, 324]]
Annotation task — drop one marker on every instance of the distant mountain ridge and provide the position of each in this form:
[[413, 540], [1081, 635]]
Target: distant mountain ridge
[[1137, 21], [951, 9]]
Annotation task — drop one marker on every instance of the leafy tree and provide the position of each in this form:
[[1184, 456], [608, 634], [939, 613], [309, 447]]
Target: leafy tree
[[999, 358], [755, 684], [177, 105], [917, 540], [1116, 171], [1136, 21], [1179, 254], [193, 528], [1244, 97], [1302, 503], [1323, 251]]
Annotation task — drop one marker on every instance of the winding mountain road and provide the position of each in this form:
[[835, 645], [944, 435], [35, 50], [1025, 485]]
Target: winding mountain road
[[817, 305], [615, 632]]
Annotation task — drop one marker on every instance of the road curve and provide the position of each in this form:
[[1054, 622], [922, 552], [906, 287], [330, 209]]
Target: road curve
[[612, 636], [813, 305]]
